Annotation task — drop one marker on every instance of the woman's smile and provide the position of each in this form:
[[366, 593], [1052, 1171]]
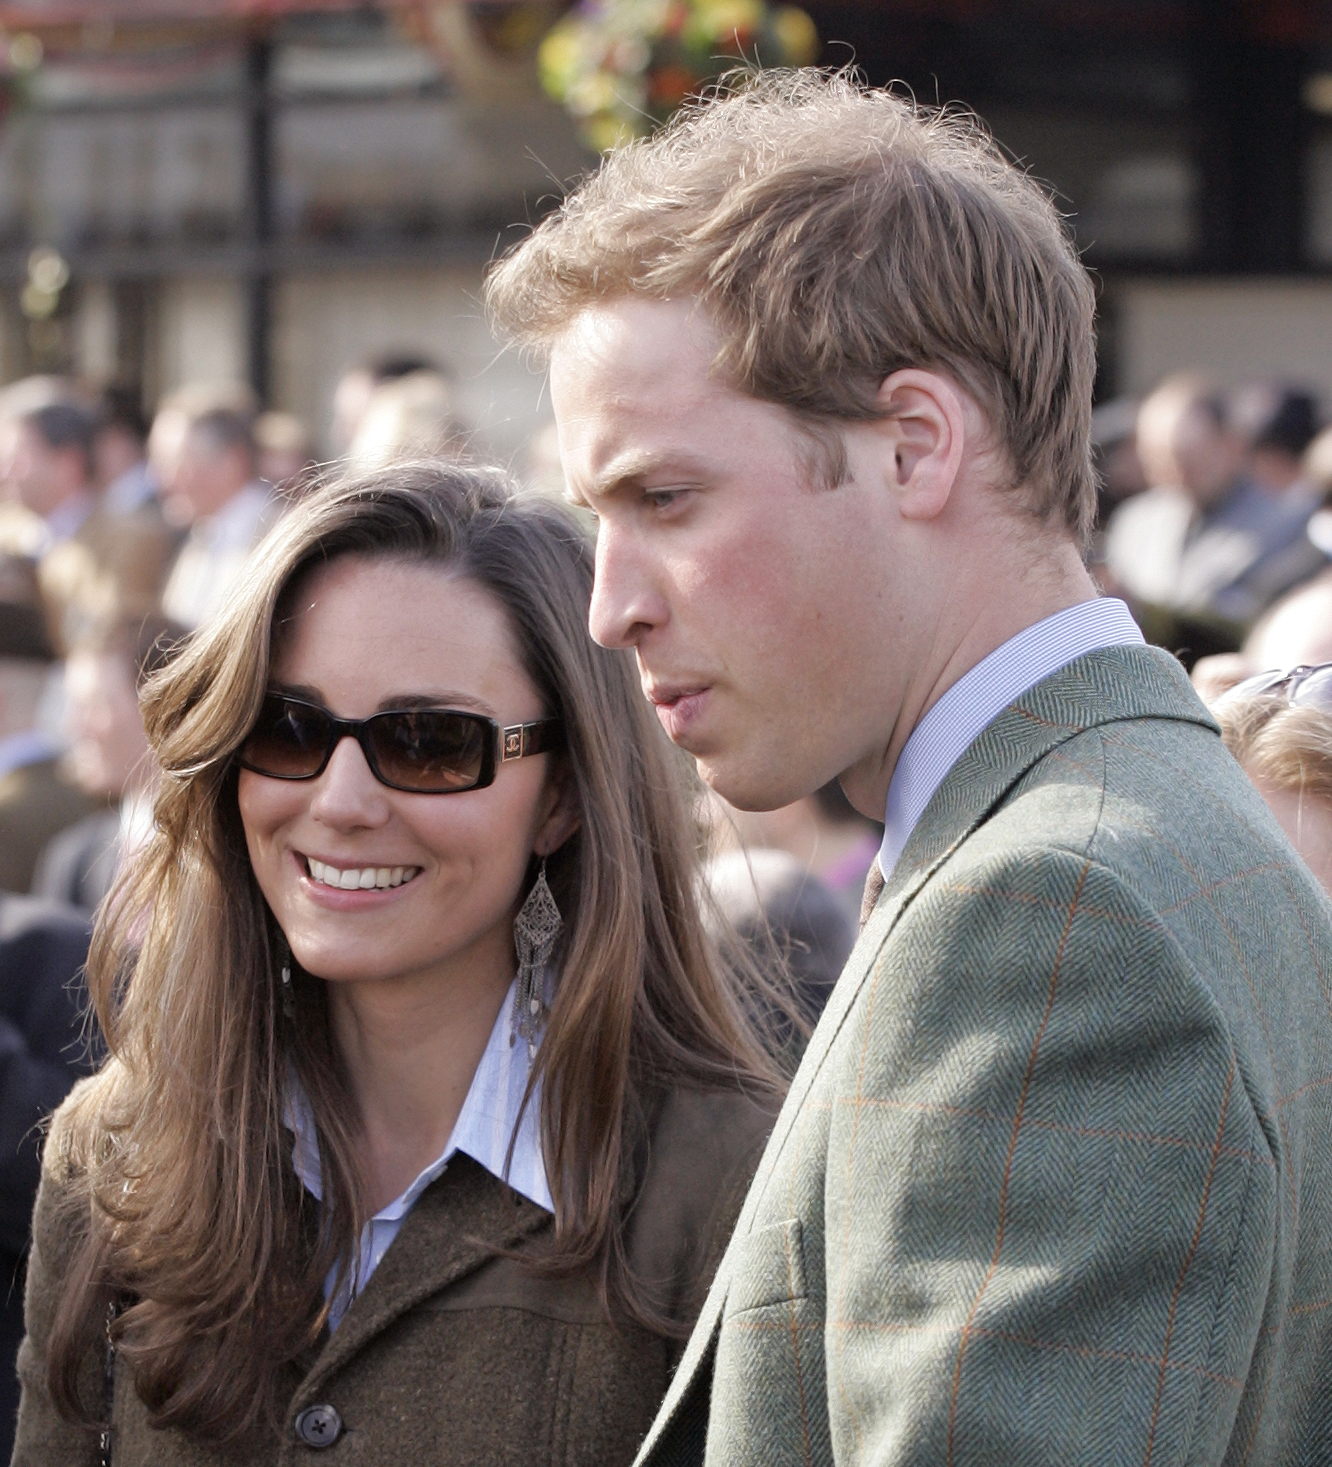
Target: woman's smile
[[353, 878]]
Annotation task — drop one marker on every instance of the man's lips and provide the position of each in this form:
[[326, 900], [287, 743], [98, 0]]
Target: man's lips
[[666, 695], [678, 707]]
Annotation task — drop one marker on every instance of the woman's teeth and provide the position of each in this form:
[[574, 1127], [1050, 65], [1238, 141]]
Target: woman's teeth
[[363, 877]]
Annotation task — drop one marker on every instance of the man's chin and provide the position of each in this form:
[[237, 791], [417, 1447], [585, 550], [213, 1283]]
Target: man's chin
[[746, 789]]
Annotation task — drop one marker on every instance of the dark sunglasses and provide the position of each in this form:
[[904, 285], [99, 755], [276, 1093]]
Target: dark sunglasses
[[425, 751], [1307, 686]]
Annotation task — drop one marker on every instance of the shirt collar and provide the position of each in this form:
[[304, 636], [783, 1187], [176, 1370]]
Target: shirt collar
[[234, 522], [129, 490], [482, 1131], [67, 517], [32, 746], [978, 697]]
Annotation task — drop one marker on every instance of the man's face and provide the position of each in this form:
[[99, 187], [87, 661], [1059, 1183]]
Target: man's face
[[206, 477], [41, 477], [1208, 457], [754, 596]]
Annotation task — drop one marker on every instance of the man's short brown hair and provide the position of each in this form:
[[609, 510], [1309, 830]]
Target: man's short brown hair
[[836, 234]]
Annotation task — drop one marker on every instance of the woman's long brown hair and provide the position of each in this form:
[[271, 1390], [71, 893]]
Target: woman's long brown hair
[[180, 1193]]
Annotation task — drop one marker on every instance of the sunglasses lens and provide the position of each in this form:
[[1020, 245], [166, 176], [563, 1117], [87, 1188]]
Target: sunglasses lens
[[430, 751], [1315, 690], [1259, 685], [288, 740]]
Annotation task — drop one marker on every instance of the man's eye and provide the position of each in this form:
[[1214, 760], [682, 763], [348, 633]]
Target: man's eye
[[662, 498]]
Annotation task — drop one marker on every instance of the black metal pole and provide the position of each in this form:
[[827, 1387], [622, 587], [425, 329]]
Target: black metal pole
[[259, 182], [1253, 134]]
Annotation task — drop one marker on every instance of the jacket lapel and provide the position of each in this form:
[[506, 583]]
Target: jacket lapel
[[1103, 687], [457, 1225]]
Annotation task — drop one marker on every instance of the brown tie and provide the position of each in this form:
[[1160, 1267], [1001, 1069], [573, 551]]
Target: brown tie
[[873, 887]]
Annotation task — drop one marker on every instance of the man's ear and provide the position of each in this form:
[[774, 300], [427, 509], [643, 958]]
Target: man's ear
[[925, 426], [560, 813]]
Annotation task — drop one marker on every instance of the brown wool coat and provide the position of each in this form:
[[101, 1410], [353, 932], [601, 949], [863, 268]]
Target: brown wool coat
[[452, 1356]]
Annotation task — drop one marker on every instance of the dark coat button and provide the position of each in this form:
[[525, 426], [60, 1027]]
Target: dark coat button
[[319, 1426]]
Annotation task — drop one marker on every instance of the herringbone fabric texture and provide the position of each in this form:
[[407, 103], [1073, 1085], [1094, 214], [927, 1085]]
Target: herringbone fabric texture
[[1054, 1182]]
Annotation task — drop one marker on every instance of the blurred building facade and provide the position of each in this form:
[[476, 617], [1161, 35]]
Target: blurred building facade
[[217, 196], [207, 189]]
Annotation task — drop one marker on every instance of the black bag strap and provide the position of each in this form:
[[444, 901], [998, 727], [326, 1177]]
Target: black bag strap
[[108, 1385]]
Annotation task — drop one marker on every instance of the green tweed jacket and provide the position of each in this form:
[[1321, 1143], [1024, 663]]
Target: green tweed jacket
[[1053, 1184]]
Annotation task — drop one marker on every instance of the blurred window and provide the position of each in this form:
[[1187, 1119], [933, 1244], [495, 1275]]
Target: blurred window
[[1130, 187], [1318, 197]]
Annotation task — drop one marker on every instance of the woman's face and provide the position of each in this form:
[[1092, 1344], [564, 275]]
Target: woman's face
[[1307, 820], [368, 635], [108, 750]]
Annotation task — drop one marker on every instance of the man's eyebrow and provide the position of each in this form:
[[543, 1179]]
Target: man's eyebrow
[[628, 470]]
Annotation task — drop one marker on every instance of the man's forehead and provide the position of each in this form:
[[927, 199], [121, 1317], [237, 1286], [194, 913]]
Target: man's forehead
[[629, 381], [634, 344]]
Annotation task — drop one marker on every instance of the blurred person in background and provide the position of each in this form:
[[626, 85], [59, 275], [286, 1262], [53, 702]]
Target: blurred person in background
[[37, 800], [1298, 629], [43, 1051], [1207, 540], [1318, 473], [120, 452], [356, 386], [822, 832], [283, 448], [117, 561], [786, 918], [1278, 422], [789, 882], [23, 533], [1278, 726], [178, 410], [46, 458], [410, 417], [213, 486], [108, 756], [1119, 472]]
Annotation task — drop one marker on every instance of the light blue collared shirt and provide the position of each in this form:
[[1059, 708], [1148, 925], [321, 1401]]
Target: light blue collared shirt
[[482, 1131], [32, 746], [978, 697]]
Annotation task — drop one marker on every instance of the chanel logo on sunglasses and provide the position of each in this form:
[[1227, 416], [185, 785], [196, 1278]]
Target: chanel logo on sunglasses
[[513, 743]]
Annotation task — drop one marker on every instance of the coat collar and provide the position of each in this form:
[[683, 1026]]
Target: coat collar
[[1107, 686], [462, 1220], [1110, 685]]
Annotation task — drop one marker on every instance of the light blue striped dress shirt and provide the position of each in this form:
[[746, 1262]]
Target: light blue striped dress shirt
[[482, 1131], [978, 697]]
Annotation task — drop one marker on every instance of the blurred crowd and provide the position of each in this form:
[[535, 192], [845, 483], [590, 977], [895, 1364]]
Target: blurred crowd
[[1216, 527], [119, 534], [1214, 512]]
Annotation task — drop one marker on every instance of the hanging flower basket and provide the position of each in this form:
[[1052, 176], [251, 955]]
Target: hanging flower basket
[[622, 67]]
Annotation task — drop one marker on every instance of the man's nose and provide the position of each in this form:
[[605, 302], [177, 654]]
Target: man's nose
[[626, 595]]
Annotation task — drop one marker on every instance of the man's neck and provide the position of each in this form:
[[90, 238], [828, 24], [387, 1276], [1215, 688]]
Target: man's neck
[[994, 609]]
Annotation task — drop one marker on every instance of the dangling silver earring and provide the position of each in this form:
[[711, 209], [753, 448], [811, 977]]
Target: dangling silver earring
[[288, 995], [535, 931]]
